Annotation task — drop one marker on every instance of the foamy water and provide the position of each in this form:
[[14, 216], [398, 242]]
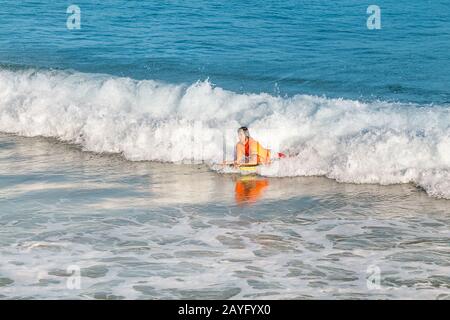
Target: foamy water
[[346, 140], [149, 230]]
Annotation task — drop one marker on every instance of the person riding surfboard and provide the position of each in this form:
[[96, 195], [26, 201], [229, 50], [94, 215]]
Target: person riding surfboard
[[250, 152]]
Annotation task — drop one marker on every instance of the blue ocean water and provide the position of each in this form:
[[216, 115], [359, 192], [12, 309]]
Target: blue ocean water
[[280, 47], [170, 81]]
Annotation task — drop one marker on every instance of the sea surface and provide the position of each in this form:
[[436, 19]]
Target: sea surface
[[110, 136]]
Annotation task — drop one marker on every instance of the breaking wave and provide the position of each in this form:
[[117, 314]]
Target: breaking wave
[[350, 141]]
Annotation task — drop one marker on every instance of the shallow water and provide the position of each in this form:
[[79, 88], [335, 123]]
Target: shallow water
[[150, 231]]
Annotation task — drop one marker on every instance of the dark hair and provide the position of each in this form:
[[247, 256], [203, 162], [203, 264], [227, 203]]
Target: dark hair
[[245, 130]]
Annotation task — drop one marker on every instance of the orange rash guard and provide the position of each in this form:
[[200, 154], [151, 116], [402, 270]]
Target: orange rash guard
[[252, 147]]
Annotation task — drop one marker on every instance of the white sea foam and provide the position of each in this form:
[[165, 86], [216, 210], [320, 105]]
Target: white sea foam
[[350, 141]]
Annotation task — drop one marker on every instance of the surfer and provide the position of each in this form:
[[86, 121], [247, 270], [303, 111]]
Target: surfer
[[249, 151]]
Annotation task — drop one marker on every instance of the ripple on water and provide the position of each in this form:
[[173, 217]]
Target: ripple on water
[[198, 254], [5, 281], [206, 293]]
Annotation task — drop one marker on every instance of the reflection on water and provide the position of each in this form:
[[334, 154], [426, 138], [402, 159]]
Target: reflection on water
[[249, 189], [149, 230]]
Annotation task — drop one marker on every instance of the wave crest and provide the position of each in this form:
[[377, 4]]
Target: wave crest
[[350, 141]]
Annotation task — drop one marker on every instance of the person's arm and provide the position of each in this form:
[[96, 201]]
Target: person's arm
[[239, 154]]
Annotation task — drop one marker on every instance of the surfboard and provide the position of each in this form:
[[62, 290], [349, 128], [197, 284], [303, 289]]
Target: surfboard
[[248, 169], [242, 169]]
